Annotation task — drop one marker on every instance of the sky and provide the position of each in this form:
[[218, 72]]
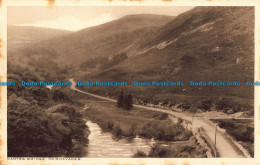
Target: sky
[[76, 18]]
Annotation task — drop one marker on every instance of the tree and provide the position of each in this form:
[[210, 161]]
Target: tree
[[128, 102], [120, 99], [117, 131], [125, 101], [59, 96]]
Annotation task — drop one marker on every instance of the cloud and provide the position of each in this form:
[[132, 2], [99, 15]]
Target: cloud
[[71, 23]]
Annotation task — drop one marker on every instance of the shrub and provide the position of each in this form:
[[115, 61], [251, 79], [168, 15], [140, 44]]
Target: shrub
[[224, 104], [59, 96], [205, 105], [184, 106], [42, 133], [117, 131], [165, 132], [131, 132], [158, 152], [110, 126], [162, 116], [139, 154]]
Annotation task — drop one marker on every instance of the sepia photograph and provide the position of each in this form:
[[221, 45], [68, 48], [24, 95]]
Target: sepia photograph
[[130, 81]]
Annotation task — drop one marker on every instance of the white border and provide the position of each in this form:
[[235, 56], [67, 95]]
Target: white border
[[168, 161]]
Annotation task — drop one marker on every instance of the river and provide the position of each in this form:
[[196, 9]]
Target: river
[[102, 145]]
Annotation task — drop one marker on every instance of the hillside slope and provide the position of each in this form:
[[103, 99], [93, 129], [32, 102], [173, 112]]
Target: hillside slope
[[203, 44], [106, 40]]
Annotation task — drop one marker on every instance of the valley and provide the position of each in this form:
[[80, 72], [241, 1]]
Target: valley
[[200, 45]]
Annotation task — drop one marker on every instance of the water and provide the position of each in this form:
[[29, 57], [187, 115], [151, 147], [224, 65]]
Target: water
[[103, 145]]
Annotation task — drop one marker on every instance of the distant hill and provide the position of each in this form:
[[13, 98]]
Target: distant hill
[[21, 36], [121, 35]]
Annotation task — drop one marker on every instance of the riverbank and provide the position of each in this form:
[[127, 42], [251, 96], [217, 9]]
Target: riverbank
[[104, 145]]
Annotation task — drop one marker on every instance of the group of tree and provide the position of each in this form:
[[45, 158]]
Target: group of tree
[[125, 100], [42, 122]]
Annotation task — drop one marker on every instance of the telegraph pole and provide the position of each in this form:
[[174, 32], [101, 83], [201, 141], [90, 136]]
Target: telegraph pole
[[216, 140], [192, 121]]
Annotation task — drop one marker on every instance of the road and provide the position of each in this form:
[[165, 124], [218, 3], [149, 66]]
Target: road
[[223, 145]]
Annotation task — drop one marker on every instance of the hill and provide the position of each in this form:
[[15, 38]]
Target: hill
[[21, 36], [203, 44], [106, 40]]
